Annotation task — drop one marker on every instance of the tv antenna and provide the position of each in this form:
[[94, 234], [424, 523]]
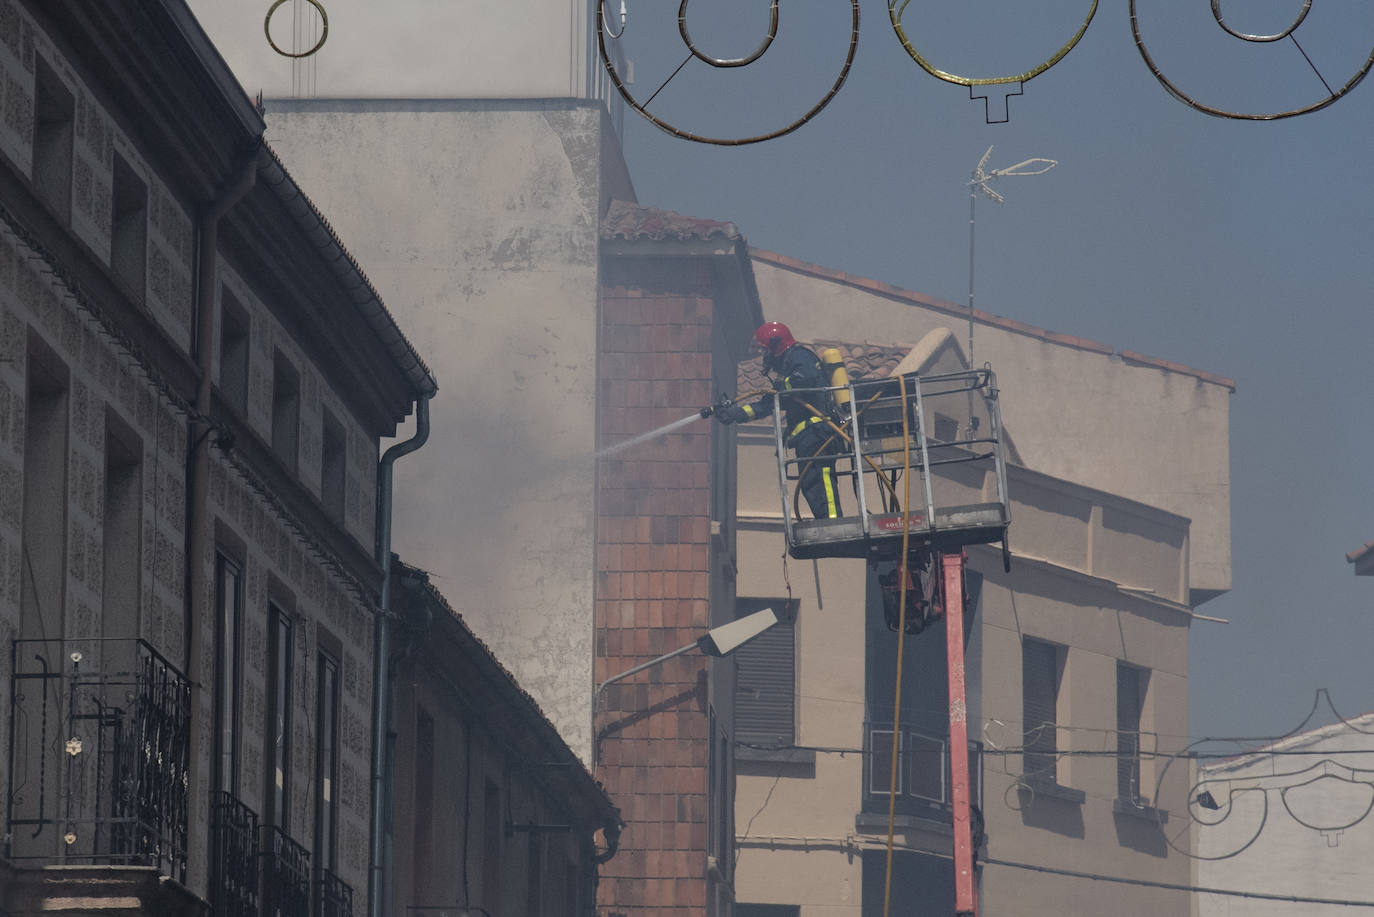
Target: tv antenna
[[982, 181]]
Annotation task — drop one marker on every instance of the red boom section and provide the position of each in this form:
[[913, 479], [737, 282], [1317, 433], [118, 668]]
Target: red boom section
[[965, 884]]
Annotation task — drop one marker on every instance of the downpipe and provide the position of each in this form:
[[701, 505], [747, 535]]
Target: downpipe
[[381, 662], [199, 434]]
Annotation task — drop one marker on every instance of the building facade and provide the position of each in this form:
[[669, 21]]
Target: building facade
[[1289, 821], [196, 379], [491, 811], [1076, 659]]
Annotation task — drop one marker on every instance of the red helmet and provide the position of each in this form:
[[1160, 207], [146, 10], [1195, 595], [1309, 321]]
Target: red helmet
[[774, 337]]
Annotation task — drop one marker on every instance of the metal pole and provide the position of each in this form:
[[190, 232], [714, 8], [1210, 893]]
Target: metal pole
[[965, 884], [972, 196]]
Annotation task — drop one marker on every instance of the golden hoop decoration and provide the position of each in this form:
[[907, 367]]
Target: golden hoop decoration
[[723, 141], [324, 31], [1245, 36], [734, 61], [1188, 100], [895, 15]]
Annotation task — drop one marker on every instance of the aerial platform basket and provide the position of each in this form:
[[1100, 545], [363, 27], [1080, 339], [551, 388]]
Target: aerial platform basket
[[949, 457]]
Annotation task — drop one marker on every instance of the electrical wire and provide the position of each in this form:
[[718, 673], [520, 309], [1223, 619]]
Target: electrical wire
[[1176, 886], [902, 574]]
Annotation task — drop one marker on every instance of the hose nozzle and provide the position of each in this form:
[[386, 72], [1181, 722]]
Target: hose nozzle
[[723, 402]]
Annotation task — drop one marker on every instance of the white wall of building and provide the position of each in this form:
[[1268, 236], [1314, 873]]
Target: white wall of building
[[480, 220], [410, 48]]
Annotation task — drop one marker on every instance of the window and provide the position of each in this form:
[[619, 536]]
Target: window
[[720, 796], [286, 410], [422, 804], [233, 352], [326, 763], [1041, 665], [228, 659], [54, 116], [278, 736], [880, 762], [765, 678], [767, 910], [1130, 697], [129, 228], [493, 836], [534, 875], [924, 782], [42, 568], [121, 534], [333, 462]]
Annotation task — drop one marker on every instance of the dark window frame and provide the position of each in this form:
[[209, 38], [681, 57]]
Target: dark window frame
[[1042, 667], [1132, 685], [328, 698], [228, 709], [286, 410], [129, 228], [277, 728], [235, 336], [333, 465], [54, 138]]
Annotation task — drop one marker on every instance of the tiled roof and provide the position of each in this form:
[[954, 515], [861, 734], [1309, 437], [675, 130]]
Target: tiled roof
[[861, 361], [631, 221], [986, 318]]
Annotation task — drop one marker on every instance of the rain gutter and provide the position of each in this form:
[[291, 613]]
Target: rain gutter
[[381, 660]]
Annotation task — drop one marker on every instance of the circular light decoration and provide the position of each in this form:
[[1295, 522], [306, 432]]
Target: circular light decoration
[[324, 30], [602, 32], [1332, 94], [896, 10]]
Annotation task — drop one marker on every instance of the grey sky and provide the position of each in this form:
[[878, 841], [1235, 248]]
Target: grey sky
[[1240, 248]]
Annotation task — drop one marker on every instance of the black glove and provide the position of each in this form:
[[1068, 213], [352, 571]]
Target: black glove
[[735, 413]]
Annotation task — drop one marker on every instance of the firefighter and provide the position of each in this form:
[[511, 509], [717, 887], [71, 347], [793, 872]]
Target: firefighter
[[793, 366]]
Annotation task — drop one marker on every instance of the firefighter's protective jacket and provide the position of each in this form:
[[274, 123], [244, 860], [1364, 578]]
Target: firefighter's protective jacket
[[797, 368]]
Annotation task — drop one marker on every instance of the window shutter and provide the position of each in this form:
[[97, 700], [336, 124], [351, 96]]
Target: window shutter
[[1128, 706], [1039, 664], [765, 673]]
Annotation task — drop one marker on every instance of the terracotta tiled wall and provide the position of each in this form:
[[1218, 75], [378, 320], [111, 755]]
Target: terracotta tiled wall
[[652, 589]]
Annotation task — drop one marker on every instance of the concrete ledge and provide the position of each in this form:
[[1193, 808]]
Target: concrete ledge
[[116, 891]]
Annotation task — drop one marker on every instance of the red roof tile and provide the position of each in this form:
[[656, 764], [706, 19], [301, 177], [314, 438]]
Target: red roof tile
[[861, 361], [631, 221]]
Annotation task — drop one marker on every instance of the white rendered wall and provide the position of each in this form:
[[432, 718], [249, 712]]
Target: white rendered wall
[[479, 222], [410, 48]]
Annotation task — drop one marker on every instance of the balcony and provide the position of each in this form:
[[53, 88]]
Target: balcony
[[285, 868], [922, 784], [99, 747], [233, 857], [334, 897]]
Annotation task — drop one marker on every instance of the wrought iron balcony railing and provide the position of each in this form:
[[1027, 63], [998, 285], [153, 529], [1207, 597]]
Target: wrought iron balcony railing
[[333, 896], [234, 881], [922, 779], [285, 869], [99, 746]]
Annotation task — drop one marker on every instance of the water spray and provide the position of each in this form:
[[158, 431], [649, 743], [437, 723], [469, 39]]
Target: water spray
[[667, 428]]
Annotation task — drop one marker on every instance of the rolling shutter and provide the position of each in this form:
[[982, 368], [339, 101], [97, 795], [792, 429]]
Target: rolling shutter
[[765, 680]]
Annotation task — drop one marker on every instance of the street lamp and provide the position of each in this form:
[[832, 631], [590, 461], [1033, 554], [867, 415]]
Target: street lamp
[[718, 641]]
